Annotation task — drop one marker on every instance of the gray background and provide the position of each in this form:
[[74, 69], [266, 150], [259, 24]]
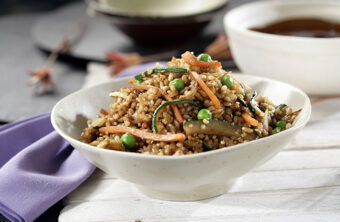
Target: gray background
[[18, 54]]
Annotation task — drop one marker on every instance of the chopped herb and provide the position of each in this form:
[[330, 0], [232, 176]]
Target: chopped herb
[[138, 82], [275, 131], [169, 69], [281, 124], [207, 146], [282, 106], [139, 77]]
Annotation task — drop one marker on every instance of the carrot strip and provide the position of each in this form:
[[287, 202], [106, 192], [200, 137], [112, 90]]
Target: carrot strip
[[189, 58], [177, 113], [206, 89], [142, 134], [192, 60], [207, 64], [174, 108], [132, 81], [248, 119], [103, 111]]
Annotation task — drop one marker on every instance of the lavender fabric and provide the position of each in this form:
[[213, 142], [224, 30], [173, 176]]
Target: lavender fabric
[[37, 168]]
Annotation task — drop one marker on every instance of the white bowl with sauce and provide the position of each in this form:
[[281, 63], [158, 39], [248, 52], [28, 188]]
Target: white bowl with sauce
[[312, 64], [180, 178]]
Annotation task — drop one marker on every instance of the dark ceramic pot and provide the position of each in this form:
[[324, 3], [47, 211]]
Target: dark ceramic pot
[[160, 30]]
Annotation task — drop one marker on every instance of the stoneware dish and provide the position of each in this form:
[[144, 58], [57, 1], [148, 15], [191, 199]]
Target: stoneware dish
[[155, 8], [181, 178], [311, 64], [157, 22]]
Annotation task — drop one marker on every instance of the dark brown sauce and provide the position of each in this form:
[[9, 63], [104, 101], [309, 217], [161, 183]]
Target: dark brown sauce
[[302, 27]]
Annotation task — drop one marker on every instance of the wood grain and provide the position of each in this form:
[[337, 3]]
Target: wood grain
[[294, 185]]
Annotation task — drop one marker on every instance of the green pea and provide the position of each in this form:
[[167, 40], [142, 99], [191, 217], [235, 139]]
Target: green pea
[[138, 82], [275, 131], [204, 114], [128, 141], [227, 81], [178, 84], [281, 124], [204, 57]]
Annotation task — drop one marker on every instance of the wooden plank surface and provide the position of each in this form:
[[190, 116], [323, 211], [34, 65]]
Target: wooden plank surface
[[307, 201], [294, 185]]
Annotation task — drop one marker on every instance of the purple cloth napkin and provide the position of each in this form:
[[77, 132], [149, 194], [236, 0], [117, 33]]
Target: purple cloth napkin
[[37, 168]]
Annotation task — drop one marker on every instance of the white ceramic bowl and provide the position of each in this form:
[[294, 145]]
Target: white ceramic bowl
[[155, 8], [312, 64], [190, 177]]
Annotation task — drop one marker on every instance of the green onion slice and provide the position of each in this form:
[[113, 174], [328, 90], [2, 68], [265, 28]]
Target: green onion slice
[[139, 77], [169, 69], [158, 70]]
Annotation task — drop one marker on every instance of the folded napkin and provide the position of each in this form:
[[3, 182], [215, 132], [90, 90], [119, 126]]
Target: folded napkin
[[37, 168], [98, 73]]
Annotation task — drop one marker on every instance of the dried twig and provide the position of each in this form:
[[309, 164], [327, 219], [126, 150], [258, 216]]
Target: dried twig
[[42, 76]]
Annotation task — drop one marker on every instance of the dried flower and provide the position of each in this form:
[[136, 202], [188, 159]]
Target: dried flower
[[43, 76]]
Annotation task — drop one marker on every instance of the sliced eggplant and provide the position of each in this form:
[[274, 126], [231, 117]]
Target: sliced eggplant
[[265, 120], [252, 103], [254, 106], [291, 117], [214, 127], [243, 103]]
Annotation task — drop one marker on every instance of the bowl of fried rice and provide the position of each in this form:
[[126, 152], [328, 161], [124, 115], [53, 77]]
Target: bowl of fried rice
[[184, 131]]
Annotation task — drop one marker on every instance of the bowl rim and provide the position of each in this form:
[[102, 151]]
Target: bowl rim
[[199, 17], [227, 20], [182, 157], [95, 6], [150, 20]]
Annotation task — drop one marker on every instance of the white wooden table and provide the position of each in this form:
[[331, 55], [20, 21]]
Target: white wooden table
[[301, 183]]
